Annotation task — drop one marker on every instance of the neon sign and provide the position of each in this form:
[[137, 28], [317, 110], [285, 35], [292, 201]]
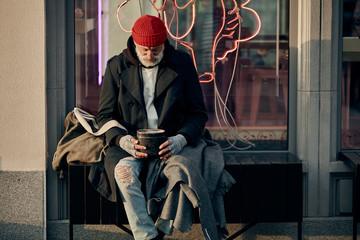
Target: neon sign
[[231, 25], [227, 31], [99, 44]]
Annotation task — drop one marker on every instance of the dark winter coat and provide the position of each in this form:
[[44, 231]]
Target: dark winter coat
[[178, 101]]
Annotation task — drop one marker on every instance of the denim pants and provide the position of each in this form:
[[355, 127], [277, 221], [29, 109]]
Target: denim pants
[[127, 173]]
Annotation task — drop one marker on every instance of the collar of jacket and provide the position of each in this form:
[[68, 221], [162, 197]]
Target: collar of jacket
[[130, 52], [132, 78]]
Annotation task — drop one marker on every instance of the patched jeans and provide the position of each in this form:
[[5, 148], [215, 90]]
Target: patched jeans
[[127, 173]]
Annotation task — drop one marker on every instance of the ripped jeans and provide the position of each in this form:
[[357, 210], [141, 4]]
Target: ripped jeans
[[127, 178]]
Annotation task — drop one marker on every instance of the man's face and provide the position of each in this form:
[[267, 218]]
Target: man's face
[[149, 56]]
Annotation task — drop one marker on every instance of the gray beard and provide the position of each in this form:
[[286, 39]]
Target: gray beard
[[145, 62]]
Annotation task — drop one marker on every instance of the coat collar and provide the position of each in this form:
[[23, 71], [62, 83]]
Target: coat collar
[[132, 81], [165, 77], [131, 76]]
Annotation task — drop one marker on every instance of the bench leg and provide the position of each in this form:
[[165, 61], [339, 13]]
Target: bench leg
[[354, 230], [125, 229], [241, 231], [299, 230], [71, 229]]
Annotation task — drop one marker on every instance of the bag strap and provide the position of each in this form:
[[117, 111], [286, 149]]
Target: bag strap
[[84, 117]]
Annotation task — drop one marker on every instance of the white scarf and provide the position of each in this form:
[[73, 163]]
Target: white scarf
[[149, 80]]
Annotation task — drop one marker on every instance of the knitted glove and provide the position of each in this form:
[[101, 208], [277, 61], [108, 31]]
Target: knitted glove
[[177, 143], [127, 145]]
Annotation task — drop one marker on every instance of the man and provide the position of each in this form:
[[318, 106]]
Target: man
[[149, 85]]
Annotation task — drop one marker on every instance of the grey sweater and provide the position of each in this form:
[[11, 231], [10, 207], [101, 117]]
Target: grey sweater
[[195, 178]]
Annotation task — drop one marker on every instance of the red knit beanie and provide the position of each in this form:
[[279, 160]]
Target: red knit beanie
[[149, 31]]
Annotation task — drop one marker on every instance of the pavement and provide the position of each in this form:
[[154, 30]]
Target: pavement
[[313, 229]]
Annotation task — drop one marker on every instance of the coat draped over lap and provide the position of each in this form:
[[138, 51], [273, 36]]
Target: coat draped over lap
[[178, 101], [195, 178]]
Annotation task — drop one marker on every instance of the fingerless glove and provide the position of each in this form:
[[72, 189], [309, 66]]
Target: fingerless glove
[[127, 145], [177, 143]]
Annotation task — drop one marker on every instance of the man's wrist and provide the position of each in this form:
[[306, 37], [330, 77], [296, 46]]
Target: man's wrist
[[182, 140], [117, 140]]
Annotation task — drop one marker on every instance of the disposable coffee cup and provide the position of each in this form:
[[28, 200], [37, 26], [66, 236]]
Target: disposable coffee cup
[[151, 139]]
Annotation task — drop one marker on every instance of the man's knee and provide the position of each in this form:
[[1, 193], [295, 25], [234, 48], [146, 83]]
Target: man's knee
[[125, 174]]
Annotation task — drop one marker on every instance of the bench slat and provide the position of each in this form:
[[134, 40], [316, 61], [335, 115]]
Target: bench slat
[[264, 190], [352, 159], [231, 199], [294, 192], [76, 194], [92, 201], [278, 190], [107, 213], [268, 188]]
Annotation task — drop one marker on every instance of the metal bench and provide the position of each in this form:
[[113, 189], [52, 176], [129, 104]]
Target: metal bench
[[268, 189], [352, 159]]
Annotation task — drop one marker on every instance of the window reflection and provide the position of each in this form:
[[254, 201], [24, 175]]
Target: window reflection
[[86, 55], [246, 93], [350, 123], [252, 82]]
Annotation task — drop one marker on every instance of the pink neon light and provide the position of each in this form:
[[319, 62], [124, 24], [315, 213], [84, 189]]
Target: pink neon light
[[232, 28], [168, 26], [230, 35], [235, 43], [219, 35], [117, 16], [217, 38], [162, 7], [210, 75], [192, 1], [235, 19], [257, 19], [99, 43], [187, 32], [235, 9], [189, 46], [175, 3]]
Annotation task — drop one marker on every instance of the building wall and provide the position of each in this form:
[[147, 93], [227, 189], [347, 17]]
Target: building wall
[[22, 68], [327, 182], [22, 119]]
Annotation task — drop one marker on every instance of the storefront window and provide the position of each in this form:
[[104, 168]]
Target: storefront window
[[350, 122], [240, 49], [87, 47]]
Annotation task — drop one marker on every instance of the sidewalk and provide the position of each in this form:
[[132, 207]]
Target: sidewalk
[[313, 229]]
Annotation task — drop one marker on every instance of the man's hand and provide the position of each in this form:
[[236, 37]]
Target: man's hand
[[172, 146], [130, 145]]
